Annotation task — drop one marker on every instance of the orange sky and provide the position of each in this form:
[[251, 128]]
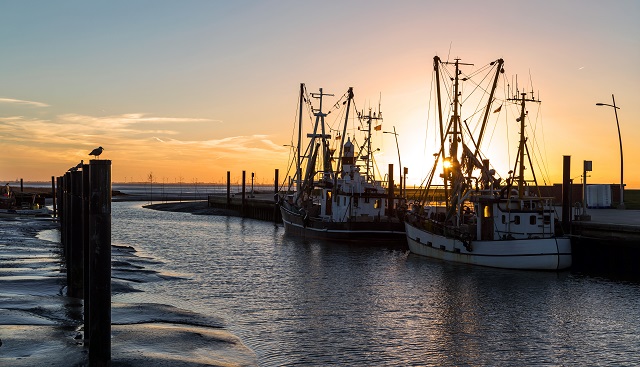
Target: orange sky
[[190, 90]]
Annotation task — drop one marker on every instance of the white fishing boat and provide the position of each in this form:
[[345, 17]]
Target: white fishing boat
[[484, 219], [344, 203]]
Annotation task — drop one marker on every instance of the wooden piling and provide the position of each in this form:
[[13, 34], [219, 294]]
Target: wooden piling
[[228, 189], [390, 207], [566, 193], [244, 184], [275, 196], [66, 181], [59, 199], [100, 264], [53, 195], [86, 196], [75, 255]]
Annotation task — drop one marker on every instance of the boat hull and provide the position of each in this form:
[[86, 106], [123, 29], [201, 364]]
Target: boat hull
[[10, 213], [532, 254], [363, 232]]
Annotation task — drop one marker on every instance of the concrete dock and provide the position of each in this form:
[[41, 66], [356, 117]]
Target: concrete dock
[[609, 243]]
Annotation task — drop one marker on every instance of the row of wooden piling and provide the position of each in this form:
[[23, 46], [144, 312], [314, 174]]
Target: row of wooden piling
[[255, 208], [84, 211]]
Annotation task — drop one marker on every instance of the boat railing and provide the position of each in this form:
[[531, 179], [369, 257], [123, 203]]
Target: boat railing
[[442, 229]]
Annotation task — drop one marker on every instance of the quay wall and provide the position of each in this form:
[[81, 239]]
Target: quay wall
[[261, 206], [605, 248]]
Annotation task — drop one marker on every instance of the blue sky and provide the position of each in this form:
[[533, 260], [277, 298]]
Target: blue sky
[[195, 88]]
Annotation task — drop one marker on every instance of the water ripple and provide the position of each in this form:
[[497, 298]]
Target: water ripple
[[312, 303]]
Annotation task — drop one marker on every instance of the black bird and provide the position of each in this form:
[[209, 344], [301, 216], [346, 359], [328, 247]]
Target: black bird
[[96, 152]]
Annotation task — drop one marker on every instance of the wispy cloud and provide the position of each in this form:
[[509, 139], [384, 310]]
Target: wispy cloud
[[22, 102], [125, 119], [144, 142]]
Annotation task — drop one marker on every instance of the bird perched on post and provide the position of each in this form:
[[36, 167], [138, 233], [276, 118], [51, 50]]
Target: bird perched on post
[[96, 152]]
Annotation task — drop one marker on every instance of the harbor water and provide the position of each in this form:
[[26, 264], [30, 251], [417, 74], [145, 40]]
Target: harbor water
[[312, 303]]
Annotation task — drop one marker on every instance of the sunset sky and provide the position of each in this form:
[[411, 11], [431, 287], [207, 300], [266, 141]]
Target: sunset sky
[[188, 90]]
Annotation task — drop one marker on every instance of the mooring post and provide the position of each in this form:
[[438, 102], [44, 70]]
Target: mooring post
[[53, 195], [61, 210], [100, 264], [275, 196], [21, 185], [566, 193], [86, 196], [244, 186], [75, 256], [67, 218], [390, 189], [57, 199], [228, 189]]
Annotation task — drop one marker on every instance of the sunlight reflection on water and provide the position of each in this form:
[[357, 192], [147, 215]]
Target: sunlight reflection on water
[[297, 302]]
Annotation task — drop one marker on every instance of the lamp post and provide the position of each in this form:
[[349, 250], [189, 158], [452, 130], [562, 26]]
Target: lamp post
[[399, 161], [615, 109]]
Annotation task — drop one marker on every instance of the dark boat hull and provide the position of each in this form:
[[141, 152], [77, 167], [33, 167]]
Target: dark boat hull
[[383, 232]]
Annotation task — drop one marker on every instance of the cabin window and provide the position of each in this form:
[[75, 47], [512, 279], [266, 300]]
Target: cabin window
[[516, 219], [547, 219], [504, 219], [376, 205], [532, 219], [366, 200], [488, 212], [344, 200]]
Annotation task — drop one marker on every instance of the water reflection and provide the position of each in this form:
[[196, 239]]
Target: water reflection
[[317, 303]]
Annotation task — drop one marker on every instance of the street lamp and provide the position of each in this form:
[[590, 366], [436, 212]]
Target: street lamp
[[398, 149], [615, 109]]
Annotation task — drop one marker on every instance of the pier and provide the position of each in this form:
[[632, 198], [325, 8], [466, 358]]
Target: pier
[[607, 244], [261, 206], [250, 204]]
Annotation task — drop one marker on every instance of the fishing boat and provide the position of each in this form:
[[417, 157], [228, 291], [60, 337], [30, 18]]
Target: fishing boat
[[484, 219], [344, 202], [22, 204]]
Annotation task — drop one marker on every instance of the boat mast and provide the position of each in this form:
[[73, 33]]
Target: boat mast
[[326, 164], [457, 129], [523, 141], [370, 118], [344, 133], [488, 109], [299, 162], [436, 61]]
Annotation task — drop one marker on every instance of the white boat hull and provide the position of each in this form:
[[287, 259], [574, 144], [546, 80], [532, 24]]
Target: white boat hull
[[533, 254]]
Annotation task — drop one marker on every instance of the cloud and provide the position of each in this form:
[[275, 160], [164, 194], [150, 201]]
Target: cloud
[[259, 147], [19, 101], [125, 119]]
